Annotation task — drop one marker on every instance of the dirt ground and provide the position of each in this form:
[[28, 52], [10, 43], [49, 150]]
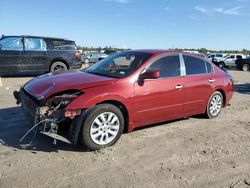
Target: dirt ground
[[193, 152]]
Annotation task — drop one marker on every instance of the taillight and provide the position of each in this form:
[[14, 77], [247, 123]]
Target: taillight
[[78, 56]]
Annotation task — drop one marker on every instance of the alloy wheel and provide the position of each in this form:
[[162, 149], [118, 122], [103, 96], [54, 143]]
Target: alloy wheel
[[245, 67], [215, 105], [104, 128]]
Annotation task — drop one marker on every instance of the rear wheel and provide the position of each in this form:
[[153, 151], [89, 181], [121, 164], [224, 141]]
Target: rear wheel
[[214, 105], [58, 66], [221, 65], [245, 67], [102, 127]]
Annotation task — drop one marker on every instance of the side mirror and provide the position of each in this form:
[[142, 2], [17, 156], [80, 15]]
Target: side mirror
[[150, 74]]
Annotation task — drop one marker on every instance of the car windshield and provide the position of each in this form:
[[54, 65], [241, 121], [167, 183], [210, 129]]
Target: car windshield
[[119, 65]]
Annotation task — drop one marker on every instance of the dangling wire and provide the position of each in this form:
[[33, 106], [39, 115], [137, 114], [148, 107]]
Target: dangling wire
[[45, 120]]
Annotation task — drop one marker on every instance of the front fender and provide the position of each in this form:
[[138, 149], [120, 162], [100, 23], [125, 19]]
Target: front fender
[[94, 96]]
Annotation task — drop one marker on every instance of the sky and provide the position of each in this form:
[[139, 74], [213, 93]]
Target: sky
[[136, 24]]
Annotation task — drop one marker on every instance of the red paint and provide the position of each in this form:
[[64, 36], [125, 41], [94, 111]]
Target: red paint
[[153, 101]]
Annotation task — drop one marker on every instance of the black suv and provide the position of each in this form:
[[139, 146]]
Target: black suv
[[243, 64], [37, 54]]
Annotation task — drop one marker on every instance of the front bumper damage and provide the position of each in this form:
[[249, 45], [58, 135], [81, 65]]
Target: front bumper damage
[[49, 121]]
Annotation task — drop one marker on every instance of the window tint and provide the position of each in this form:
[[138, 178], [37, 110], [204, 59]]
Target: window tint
[[232, 56], [34, 44], [194, 65], [168, 66], [238, 57], [11, 43], [209, 67], [219, 55], [212, 56], [63, 45]]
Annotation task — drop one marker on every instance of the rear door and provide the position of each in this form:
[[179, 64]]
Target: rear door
[[11, 54], [36, 57], [198, 84]]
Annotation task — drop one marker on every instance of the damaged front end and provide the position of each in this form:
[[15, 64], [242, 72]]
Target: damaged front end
[[49, 116]]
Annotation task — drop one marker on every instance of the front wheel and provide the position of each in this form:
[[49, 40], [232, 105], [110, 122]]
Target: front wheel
[[102, 127], [214, 105], [245, 67]]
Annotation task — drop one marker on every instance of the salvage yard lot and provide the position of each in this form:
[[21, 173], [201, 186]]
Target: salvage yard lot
[[192, 152]]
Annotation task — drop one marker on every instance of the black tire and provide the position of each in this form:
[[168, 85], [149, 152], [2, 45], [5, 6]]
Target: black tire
[[209, 113], [245, 67], [92, 115], [221, 65], [86, 61], [58, 66]]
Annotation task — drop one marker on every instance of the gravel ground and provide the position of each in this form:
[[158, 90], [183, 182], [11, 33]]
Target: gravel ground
[[192, 152]]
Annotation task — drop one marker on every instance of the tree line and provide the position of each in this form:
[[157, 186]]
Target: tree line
[[109, 49]]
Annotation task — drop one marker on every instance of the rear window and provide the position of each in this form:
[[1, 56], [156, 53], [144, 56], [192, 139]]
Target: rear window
[[62, 45], [196, 66]]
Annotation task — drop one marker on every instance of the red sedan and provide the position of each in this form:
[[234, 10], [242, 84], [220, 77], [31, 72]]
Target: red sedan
[[122, 92]]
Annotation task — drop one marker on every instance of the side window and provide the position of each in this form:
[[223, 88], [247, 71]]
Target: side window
[[62, 45], [168, 66], [219, 55], [11, 44], [34, 44], [209, 67], [232, 56], [238, 57], [194, 65]]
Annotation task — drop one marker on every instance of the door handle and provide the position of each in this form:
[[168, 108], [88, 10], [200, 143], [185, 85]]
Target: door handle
[[211, 80], [179, 87]]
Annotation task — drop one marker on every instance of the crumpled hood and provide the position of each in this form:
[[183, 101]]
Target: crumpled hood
[[46, 85]]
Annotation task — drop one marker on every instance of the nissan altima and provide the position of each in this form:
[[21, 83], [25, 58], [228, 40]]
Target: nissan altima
[[122, 92]]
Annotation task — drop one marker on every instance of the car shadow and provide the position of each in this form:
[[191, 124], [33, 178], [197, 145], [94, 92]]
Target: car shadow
[[13, 125], [243, 88]]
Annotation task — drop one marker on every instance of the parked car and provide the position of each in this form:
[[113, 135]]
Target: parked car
[[94, 57], [243, 64], [122, 92], [215, 56], [229, 60], [37, 54]]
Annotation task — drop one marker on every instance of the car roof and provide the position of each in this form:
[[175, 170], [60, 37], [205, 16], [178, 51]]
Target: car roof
[[33, 36], [154, 51], [159, 52]]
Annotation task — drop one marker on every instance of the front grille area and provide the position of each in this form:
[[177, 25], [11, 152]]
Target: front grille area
[[29, 106]]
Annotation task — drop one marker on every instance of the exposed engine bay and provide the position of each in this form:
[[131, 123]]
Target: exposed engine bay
[[49, 115]]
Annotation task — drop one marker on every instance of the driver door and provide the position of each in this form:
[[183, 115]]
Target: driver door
[[231, 60], [163, 98]]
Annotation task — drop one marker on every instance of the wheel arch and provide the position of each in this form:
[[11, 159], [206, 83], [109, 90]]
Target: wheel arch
[[123, 109], [223, 95], [61, 60]]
